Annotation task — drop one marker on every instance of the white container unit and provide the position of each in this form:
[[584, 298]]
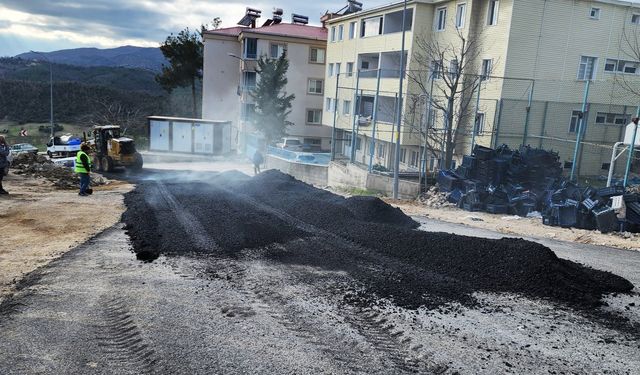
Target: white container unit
[[192, 136]]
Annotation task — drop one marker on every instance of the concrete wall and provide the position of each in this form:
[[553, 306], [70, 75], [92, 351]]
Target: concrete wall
[[312, 174], [351, 175]]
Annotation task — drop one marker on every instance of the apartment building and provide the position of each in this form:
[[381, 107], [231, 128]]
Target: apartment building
[[535, 56], [230, 62]]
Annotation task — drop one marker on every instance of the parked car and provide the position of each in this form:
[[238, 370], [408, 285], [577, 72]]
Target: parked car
[[21, 148], [291, 144]]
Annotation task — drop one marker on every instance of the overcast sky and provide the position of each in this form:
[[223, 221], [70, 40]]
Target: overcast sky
[[49, 25]]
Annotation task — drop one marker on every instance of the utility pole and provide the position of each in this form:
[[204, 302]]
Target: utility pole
[[50, 93], [581, 128], [396, 164]]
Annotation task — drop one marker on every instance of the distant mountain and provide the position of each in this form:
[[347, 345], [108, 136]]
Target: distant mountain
[[127, 56]]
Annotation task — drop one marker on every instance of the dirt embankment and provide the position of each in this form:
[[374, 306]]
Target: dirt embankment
[[39, 222]]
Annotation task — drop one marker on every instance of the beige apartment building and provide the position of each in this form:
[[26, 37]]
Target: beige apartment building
[[230, 61], [536, 57]]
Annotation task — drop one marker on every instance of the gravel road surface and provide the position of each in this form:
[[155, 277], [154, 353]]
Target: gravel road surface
[[241, 282]]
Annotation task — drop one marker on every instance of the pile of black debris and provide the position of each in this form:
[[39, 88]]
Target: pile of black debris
[[527, 180]]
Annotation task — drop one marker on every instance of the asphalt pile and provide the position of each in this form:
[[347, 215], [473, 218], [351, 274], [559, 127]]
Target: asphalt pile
[[40, 166], [364, 237], [505, 181]]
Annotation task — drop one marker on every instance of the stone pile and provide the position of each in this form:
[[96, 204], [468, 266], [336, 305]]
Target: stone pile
[[61, 176]]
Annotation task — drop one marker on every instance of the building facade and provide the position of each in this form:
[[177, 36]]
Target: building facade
[[527, 77], [230, 61]]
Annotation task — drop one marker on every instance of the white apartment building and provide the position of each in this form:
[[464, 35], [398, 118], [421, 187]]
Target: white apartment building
[[230, 61], [538, 54]]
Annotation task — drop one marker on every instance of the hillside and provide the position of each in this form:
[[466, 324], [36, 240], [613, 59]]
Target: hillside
[[127, 56], [113, 77]]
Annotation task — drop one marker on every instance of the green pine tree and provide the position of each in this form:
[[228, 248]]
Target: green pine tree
[[273, 105]]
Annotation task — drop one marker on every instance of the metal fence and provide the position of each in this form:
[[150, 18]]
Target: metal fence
[[581, 120]]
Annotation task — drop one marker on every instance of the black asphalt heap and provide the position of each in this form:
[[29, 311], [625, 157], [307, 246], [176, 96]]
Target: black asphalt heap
[[371, 241]]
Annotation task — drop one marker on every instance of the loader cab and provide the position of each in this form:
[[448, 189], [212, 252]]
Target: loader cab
[[103, 135]]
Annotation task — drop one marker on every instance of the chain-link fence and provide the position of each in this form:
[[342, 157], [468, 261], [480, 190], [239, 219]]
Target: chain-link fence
[[453, 113]]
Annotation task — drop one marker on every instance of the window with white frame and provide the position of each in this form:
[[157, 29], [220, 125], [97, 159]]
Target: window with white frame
[[247, 111], [620, 66], [276, 50], [314, 116], [371, 26], [594, 13], [381, 150], [454, 69], [327, 104], [486, 69], [316, 55], [635, 19], [340, 32], [479, 123], [352, 29], [587, 68], [494, 9], [333, 33], [436, 69], [338, 65], [315, 86], [349, 69], [612, 118], [441, 19], [330, 70], [403, 155], [415, 158], [346, 107], [461, 11], [575, 121], [249, 80]]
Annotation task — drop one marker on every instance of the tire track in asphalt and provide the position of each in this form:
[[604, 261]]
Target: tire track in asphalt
[[123, 342]]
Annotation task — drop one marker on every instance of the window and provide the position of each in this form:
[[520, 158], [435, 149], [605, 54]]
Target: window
[[334, 105], [454, 69], [314, 116], [393, 21], [346, 107], [312, 141], [403, 155], [371, 26], [575, 121], [441, 19], [358, 143], [381, 150], [587, 70], [276, 50], [316, 55], [340, 32], [352, 30], [330, 70], [492, 16], [338, 68], [333, 33], [620, 66], [436, 69], [315, 86], [250, 48], [249, 80], [479, 124], [415, 158], [635, 19], [594, 13], [612, 118], [349, 69], [460, 14], [327, 104], [486, 69], [247, 111]]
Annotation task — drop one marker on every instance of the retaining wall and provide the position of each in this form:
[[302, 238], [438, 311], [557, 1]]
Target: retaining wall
[[312, 174], [351, 175]]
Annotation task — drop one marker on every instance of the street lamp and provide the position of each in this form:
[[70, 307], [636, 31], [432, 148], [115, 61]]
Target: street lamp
[[50, 92]]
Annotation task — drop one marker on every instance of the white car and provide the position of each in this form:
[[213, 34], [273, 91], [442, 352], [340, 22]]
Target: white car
[[291, 144]]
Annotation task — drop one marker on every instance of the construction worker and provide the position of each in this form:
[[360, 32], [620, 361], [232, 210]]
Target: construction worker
[[83, 168]]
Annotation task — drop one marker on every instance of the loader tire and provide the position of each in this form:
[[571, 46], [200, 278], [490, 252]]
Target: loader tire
[[107, 164], [97, 166]]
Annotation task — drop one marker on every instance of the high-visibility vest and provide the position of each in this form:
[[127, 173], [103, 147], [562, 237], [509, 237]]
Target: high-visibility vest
[[79, 166]]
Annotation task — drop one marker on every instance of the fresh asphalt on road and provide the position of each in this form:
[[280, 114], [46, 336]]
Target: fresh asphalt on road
[[99, 310]]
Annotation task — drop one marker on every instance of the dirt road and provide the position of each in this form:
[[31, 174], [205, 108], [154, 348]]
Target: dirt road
[[39, 223], [222, 298]]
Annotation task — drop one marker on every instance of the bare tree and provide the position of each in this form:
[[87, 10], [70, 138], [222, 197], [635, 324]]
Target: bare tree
[[449, 90], [115, 113], [631, 48]]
